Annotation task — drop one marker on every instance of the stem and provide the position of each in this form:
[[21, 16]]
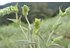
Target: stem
[[29, 30], [25, 35], [49, 38], [16, 16], [19, 19], [20, 23], [23, 32], [42, 39], [38, 42], [28, 26], [27, 20]]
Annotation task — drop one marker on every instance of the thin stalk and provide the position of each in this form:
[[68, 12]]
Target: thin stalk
[[38, 43], [28, 26], [19, 20], [23, 32], [49, 38], [22, 28], [16, 16], [29, 30], [38, 40], [42, 39], [27, 21], [20, 23]]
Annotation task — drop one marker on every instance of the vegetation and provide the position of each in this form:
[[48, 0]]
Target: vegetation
[[53, 32]]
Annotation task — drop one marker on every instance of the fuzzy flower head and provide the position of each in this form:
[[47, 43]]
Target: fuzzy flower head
[[67, 11], [14, 8], [25, 10], [37, 23], [61, 13]]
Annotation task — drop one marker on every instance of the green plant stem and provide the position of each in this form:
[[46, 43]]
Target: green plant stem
[[29, 30], [38, 43], [25, 35], [28, 22], [28, 26], [42, 39], [16, 16], [23, 32], [20, 24], [49, 38]]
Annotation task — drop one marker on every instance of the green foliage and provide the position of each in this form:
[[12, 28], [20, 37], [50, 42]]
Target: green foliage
[[39, 34]]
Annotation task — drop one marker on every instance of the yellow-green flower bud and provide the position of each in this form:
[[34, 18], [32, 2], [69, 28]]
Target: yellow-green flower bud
[[61, 13], [8, 10], [14, 8], [67, 10], [37, 23], [25, 10]]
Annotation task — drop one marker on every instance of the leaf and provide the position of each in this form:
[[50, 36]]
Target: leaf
[[57, 39], [13, 20], [57, 45]]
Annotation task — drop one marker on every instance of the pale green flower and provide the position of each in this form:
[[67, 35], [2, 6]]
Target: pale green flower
[[37, 23], [61, 13], [25, 10]]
